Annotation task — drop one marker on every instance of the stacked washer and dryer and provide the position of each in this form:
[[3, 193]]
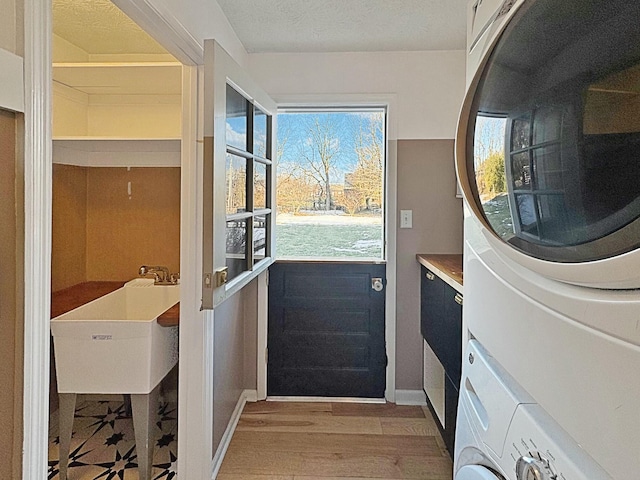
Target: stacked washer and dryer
[[548, 159]]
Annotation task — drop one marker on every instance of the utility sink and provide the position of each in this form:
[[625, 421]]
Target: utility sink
[[114, 343]]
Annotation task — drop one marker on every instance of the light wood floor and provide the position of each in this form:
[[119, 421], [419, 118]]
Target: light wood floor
[[333, 441]]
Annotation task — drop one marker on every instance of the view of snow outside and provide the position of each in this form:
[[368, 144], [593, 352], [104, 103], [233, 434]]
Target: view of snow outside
[[330, 184]]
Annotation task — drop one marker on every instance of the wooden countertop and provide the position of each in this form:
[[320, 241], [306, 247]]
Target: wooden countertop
[[66, 300], [447, 267]]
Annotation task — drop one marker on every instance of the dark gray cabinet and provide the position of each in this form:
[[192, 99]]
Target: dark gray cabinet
[[441, 327]]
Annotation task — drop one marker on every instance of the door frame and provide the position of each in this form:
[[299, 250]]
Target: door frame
[[196, 333], [391, 186]]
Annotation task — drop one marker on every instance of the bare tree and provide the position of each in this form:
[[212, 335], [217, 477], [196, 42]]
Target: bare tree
[[320, 153], [365, 182]]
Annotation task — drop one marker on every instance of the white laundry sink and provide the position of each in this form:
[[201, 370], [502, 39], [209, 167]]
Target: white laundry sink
[[114, 344]]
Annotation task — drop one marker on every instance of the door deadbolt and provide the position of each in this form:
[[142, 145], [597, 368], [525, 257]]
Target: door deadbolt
[[377, 284]]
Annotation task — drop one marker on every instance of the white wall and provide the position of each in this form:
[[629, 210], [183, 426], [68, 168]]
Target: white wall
[[429, 85]]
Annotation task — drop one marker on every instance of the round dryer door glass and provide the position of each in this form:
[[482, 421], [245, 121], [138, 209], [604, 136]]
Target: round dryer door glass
[[476, 472], [553, 143]]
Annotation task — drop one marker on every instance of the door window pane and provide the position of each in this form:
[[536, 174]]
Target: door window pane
[[330, 185], [236, 247], [260, 224], [236, 119], [236, 180], [520, 171], [260, 133], [259, 185], [520, 133]]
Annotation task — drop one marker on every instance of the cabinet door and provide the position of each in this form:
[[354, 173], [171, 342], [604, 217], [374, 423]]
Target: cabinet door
[[450, 413], [453, 320], [432, 310]]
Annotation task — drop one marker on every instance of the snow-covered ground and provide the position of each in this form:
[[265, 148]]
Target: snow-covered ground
[[332, 218]]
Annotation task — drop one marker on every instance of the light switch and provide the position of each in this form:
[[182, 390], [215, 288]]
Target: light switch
[[406, 218]]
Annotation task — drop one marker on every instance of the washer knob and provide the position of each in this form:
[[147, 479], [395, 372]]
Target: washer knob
[[528, 468]]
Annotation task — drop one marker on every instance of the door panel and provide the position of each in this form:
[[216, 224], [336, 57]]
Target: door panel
[[326, 330]]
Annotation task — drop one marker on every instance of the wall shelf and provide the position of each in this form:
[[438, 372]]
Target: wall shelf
[[117, 152]]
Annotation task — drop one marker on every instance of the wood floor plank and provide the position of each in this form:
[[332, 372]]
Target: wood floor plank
[[337, 465], [288, 408], [242, 476], [334, 443], [377, 410], [409, 426], [309, 423]]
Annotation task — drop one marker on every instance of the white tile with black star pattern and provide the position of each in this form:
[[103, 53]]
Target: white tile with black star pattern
[[103, 442]]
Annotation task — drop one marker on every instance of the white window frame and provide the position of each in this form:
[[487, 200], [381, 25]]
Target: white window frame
[[220, 70], [346, 108]]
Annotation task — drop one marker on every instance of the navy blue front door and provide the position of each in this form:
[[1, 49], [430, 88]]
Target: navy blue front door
[[326, 330]]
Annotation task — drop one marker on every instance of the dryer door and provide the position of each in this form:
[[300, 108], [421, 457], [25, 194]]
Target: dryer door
[[476, 472], [549, 140]]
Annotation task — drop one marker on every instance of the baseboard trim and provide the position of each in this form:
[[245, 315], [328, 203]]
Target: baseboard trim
[[325, 399], [216, 463], [411, 397]]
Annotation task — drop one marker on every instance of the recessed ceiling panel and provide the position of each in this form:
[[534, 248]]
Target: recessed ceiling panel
[[347, 25]]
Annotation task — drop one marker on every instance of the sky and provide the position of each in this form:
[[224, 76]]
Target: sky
[[294, 135]]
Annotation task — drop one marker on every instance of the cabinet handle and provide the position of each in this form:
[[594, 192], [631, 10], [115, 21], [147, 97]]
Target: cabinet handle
[[430, 276], [458, 299]]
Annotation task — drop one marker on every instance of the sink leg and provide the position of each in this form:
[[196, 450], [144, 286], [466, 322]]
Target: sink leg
[[145, 410], [67, 410], [127, 405]]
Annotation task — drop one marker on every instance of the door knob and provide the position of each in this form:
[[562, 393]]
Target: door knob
[[377, 284]]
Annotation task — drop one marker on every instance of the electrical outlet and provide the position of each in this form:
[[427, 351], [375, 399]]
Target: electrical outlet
[[406, 218]]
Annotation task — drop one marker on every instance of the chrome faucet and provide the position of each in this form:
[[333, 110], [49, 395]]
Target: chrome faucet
[[160, 274]]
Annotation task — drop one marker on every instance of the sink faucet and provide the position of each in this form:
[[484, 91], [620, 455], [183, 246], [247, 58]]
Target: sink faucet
[[160, 274]]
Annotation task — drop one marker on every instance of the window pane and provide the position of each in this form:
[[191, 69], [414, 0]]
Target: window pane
[[547, 167], [236, 247], [520, 133], [520, 171], [236, 119], [259, 185], [236, 180], [260, 237], [260, 138], [330, 185]]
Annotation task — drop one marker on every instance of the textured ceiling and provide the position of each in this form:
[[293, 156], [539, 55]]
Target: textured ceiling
[[99, 27], [347, 25]]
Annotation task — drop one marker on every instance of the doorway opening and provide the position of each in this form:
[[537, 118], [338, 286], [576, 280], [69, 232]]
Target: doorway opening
[[326, 325], [117, 100]]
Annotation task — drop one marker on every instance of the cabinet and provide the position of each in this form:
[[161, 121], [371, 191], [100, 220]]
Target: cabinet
[[441, 327]]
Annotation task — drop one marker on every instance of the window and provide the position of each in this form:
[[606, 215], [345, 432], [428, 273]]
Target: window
[[238, 152], [330, 183], [248, 183]]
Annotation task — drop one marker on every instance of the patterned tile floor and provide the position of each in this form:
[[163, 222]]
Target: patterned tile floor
[[103, 444]]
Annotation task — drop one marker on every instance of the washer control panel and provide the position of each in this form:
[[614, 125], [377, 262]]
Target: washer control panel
[[537, 448], [534, 467]]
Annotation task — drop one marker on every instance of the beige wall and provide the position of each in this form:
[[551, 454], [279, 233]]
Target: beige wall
[[69, 227], [235, 319], [11, 26], [102, 233], [11, 318], [426, 185]]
